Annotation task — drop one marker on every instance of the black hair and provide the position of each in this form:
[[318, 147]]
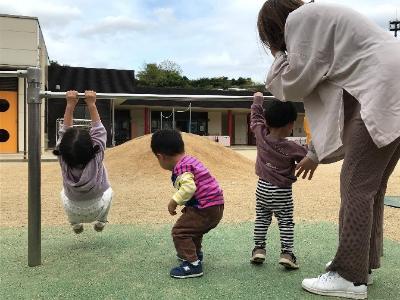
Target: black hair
[[167, 142], [76, 148], [279, 114]]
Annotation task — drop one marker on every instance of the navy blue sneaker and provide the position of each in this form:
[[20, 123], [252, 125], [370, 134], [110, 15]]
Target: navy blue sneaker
[[199, 257], [187, 270]]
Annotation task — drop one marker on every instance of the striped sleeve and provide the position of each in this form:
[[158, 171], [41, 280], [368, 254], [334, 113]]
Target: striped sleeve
[[186, 188]]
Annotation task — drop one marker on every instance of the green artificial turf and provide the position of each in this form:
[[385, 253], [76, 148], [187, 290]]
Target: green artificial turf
[[133, 262], [392, 201]]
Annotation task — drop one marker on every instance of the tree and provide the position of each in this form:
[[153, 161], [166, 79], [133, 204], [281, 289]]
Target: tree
[[169, 74], [56, 63], [53, 63], [170, 66], [165, 74]]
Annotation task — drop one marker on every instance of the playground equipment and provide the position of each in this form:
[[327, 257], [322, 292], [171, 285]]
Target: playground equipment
[[34, 101]]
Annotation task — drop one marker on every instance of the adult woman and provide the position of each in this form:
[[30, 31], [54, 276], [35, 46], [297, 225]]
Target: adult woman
[[346, 70]]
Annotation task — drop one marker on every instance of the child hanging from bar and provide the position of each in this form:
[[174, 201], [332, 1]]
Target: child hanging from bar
[[87, 194]]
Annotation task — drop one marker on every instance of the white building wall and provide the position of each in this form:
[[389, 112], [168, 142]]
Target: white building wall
[[22, 45], [241, 129], [137, 122], [214, 123], [18, 42]]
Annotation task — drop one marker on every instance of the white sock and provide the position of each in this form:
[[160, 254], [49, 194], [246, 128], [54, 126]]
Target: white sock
[[195, 263]]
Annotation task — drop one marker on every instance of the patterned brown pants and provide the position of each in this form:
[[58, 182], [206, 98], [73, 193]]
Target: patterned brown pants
[[189, 229], [363, 181]]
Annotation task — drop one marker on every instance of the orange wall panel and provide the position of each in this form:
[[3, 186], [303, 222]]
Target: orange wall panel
[[8, 122]]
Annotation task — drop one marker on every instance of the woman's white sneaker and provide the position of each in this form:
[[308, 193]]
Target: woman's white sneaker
[[332, 284], [370, 276]]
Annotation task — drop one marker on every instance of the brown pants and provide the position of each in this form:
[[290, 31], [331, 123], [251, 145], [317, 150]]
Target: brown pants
[[363, 181], [189, 229]]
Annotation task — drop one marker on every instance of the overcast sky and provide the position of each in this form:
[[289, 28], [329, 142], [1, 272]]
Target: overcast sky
[[206, 38]]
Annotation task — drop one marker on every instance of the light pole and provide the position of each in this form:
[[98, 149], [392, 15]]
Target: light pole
[[173, 118], [190, 117], [394, 26]]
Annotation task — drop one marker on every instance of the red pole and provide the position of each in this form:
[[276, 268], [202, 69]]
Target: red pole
[[230, 126], [146, 121]]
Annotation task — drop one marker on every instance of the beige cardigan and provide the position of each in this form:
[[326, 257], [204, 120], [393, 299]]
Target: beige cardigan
[[331, 48]]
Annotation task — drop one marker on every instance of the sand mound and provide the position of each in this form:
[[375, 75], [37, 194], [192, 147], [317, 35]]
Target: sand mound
[[135, 158], [138, 180]]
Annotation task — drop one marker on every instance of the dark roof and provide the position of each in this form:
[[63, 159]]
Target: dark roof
[[209, 103], [19, 17], [117, 81], [192, 91], [99, 80], [122, 81]]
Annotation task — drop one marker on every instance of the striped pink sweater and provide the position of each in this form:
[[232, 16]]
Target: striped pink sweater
[[208, 193]]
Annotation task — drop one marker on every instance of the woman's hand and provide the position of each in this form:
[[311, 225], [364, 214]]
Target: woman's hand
[[306, 165]]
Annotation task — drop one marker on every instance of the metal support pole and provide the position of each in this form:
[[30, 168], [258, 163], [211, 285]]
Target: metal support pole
[[230, 126], [173, 118], [113, 121], [146, 120], [25, 114], [161, 116], [34, 172], [190, 117], [19, 73]]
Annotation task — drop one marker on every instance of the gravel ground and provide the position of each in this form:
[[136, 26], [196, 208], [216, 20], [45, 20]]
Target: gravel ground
[[142, 189]]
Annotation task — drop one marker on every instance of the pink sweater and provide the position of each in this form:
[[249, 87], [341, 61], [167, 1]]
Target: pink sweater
[[92, 181], [276, 158], [208, 193]]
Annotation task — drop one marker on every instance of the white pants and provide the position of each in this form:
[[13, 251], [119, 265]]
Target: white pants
[[87, 211]]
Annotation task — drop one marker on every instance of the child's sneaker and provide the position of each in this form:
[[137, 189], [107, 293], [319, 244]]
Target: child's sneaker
[[187, 270], [288, 260], [258, 256], [77, 228], [199, 256], [99, 226]]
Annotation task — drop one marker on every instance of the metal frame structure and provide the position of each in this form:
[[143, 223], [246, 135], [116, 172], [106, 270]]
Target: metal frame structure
[[394, 26], [173, 117], [34, 101], [183, 98], [80, 123]]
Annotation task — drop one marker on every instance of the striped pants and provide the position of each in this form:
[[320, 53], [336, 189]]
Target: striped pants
[[278, 201]]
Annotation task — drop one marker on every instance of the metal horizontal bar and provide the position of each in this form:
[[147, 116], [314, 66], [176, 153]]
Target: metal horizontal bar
[[48, 94], [19, 73]]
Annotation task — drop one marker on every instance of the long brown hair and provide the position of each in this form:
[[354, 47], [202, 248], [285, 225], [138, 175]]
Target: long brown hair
[[271, 22]]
